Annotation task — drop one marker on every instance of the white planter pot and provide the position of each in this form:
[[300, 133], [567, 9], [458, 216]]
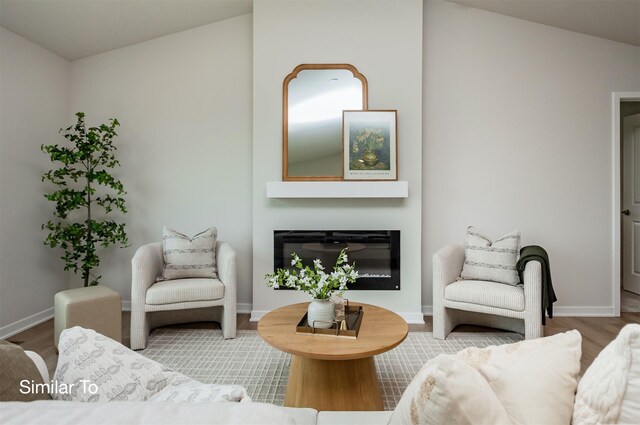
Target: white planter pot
[[320, 310]]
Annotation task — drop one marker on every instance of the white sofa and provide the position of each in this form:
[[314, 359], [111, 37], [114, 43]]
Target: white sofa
[[609, 392], [141, 412]]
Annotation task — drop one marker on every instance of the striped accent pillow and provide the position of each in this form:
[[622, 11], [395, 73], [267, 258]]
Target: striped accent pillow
[[492, 261], [186, 257]]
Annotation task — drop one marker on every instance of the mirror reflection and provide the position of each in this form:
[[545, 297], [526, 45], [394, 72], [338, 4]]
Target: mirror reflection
[[315, 100]]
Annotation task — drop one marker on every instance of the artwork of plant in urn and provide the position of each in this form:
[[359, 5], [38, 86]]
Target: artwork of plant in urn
[[369, 146], [317, 283]]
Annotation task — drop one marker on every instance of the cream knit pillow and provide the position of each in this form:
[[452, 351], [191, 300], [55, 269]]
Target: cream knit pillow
[[492, 261], [186, 257], [609, 391]]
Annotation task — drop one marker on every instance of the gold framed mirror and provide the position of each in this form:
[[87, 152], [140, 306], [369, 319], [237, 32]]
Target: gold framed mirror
[[313, 98]]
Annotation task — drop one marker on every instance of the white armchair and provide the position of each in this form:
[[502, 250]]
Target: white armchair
[[514, 308], [166, 302]]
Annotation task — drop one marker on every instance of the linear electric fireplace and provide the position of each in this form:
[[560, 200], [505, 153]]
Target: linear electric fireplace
[[376, 253]]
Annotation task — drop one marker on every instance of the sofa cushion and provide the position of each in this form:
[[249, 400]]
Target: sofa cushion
[[327, 417], [486, 293], [609, 391], [16, 366], [92, 367], [161, 413], [493, 261], [184, 290], [186, 257]]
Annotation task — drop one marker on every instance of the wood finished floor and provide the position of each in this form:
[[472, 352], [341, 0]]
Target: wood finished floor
[[629, 302], [596, 332]]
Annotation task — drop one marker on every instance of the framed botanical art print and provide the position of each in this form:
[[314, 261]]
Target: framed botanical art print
[[370, 145]]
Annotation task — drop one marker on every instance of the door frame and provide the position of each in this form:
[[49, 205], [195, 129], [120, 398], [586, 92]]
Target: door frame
[[617, 97]]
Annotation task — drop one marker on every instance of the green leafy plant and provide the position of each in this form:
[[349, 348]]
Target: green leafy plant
[[369, 139], [85, 190], [315, 282]]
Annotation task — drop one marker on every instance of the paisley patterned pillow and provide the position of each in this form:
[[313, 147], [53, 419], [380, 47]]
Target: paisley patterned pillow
[[92, 367], [196, 392]]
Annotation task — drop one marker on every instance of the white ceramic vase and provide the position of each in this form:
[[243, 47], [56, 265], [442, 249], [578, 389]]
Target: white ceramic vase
[[320, 311]]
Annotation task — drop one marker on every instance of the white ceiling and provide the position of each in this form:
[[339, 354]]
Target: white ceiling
[[76, 29], [617, 20]]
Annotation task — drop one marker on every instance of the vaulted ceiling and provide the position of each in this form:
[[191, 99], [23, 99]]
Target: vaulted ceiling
[[76, 29], [617, 20]]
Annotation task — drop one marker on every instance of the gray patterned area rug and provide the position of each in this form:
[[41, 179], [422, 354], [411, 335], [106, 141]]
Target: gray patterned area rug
[[247, 360]]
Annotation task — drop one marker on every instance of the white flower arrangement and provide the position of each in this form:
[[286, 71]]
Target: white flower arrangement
[[315, 281]]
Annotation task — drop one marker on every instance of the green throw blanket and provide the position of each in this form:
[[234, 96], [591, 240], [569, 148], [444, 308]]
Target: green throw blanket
[[537, 253]]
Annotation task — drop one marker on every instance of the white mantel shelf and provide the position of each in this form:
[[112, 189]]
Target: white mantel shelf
[[340, 189]]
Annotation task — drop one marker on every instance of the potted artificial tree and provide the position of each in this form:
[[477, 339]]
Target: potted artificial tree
[[86, 193]]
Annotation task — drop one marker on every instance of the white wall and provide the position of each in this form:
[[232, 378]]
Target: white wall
[[383, 40], [34, 98], [517, 135], [184, 104]]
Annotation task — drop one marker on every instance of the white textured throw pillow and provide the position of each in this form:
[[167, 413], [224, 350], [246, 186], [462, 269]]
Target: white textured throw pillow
[[531, 382], [92, 367], [186, 257], [448, 391], [609, 391], [535, 380], [492, 261]]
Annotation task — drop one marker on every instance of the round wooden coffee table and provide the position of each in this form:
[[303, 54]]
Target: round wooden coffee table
[[330, 373]]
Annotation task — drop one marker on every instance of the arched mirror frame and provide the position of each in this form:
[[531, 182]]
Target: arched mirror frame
[[285, 115]]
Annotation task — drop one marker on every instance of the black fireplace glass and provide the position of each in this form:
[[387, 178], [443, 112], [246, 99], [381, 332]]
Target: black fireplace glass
[[376, 253]]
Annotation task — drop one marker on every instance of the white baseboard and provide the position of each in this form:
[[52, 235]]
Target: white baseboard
[[571, 311], [26, 323], [411, 318], [560, 311], [245, 308]]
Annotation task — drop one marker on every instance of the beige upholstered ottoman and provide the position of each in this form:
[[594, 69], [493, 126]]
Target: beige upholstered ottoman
[[94, 307]]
